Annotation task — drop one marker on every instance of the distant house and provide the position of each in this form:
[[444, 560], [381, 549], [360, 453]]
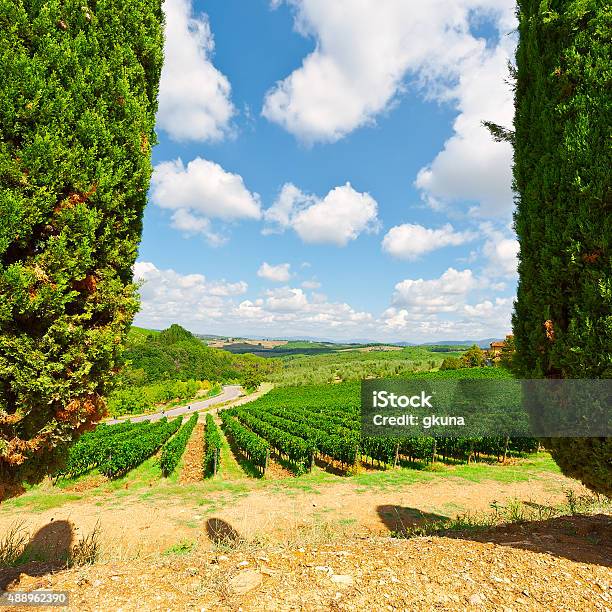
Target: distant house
[[494, 353]]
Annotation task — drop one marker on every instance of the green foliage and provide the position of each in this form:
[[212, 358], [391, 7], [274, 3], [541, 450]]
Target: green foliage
[[126, 454], [327, 436], [562, 159], [474, 357], [212, 447], [136, 400], [175, 333], [174, 449], [94, 448], [506, 358], [254, 448], [78, 90], [298, 450], [176, 354], [327, 419], [451, 363], [355, 365]]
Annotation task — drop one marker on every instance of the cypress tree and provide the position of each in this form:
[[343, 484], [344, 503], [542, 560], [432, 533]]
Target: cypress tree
[[78, 97], [563, 317]]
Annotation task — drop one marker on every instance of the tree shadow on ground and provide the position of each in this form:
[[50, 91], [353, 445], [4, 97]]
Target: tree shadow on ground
[[222, 533], [400, 519], [47, 551], [580, 538]]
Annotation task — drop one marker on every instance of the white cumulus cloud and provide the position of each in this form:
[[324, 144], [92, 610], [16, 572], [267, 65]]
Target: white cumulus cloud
[[501, 254], [311, 284], [341, 216], [441, 308], [472, 166], [200, 191], [443, 294], [364, 51], [368, 52], [410, 241], [194, 97], [279, 273]]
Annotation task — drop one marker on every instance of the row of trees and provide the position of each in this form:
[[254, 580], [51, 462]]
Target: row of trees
[[475, 357]]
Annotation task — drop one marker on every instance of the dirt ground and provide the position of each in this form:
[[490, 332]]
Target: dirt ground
[[559, 564], [132, 526], [321, 541], [193, 457]]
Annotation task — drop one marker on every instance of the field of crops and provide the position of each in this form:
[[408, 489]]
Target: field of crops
[[299, 425], [323, 421]]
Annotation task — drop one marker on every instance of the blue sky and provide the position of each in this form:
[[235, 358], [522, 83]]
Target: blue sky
[[322, 172]]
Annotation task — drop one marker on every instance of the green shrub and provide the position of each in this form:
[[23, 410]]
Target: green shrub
[[126, 454], [78, 97], [562, 159], [451, 363], [474, 357], [212, 447]]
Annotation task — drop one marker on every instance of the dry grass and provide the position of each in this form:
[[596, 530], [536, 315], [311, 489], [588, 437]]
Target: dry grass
[[13, 543], [513, 512], [87, 550]]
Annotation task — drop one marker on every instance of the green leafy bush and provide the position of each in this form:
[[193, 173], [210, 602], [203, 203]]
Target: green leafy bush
[[474, 357], [136, 400], [212, 447], [94, 448], [126, 454], [295, 448], [174, 449], [562, 159], [176, 354], [78, 97], [254, 448], [451, 363]]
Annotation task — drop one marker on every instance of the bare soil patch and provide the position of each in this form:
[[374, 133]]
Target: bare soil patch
[[276, 470], [370, 573], [193, 457], [146, 520]]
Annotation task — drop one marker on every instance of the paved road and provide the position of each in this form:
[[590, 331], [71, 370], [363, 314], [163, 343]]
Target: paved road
[[230, 392]]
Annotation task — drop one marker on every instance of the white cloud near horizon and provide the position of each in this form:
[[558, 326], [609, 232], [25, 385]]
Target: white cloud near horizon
[[439, 308], [194, 97], [443, 294], [410, 241], [279, 273], [338, 218], [421, 309]]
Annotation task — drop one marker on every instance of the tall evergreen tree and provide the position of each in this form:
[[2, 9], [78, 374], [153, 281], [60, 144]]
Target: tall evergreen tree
[[563, 317], [78, 97]]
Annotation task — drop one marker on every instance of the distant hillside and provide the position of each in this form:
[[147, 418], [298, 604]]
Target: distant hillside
[[176, 354]]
